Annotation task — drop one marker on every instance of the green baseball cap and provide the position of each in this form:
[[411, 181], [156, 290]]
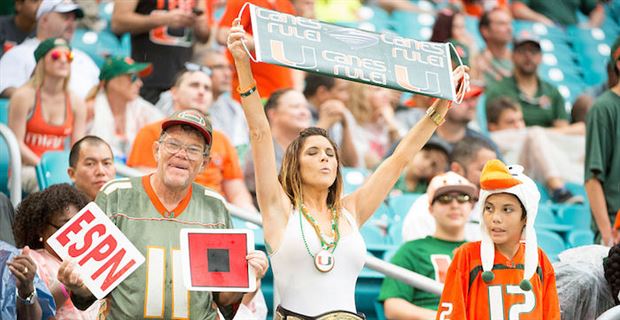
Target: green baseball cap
[[47, 45], [192, 118], [119, 65]]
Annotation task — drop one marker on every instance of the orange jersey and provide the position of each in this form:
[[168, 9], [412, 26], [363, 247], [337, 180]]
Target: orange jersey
[[467, 296]]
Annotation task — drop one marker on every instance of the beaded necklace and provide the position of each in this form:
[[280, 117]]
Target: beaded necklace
[[324, 259]]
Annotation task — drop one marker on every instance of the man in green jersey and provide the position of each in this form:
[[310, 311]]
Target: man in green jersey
[[150, 211], [451, 198], [602, 167]]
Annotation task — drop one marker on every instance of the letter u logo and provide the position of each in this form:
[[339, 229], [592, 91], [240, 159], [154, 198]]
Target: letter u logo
[[308, 56], [402, 78]]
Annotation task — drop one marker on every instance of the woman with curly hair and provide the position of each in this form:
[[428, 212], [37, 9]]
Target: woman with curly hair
[[38, 217]]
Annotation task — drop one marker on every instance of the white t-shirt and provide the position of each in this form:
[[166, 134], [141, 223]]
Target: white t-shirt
[[139, 113], [18, 63]]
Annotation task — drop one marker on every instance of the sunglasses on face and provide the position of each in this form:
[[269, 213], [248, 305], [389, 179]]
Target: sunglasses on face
[[133, 77], [190, 66], [56, 54], [447, 198]]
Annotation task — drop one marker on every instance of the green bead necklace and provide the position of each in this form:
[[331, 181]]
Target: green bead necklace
[[324, 259]]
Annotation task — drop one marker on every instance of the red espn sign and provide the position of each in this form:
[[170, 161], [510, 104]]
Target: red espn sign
[[104, 256]]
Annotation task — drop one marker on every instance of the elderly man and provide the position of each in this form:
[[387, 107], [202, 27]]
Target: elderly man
[[55, 19], [91, 165], [151, 210], [192, 89]]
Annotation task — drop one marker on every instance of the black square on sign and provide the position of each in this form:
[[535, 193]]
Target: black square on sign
[[219, 260]]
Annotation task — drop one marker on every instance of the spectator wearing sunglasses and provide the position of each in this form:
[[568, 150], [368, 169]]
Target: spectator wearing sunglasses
[[44, 112], [116, 110], [450, 201], [55, 19]]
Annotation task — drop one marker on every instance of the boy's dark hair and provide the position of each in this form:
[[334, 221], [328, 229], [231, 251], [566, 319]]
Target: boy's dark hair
[[466, 150], [495, 108], [315, 81]]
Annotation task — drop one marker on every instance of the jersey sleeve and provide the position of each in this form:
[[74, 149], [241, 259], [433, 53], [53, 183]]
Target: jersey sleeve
[[551, 304], [452, 304]]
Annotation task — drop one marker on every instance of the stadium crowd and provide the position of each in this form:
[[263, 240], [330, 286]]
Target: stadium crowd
[[143, 104]]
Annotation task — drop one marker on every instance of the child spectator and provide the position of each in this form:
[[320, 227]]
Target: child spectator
[[500, 273]]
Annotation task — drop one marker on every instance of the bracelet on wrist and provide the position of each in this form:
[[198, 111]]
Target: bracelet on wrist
[[434, 115], [247, 92]]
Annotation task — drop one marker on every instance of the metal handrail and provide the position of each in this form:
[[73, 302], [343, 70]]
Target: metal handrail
[[15, 167], [409, 277]]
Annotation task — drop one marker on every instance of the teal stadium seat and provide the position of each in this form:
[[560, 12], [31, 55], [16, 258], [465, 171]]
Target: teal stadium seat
[[577, 217], [579, 238], [551, 243], [418, 26], [4, 111], [546, 219], [5, 161], [98, 45], [52, 169], [353, 178], [367, 291], [379, 310]]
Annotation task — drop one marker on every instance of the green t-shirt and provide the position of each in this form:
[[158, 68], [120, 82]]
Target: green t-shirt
[[546, 107], [402, 186], [156, 288], [563, 12], [429, 257], [603, 148]]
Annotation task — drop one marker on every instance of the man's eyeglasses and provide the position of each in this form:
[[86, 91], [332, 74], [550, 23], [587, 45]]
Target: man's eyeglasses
[[193, 152], [190, 66], [134, 77], [447, 198], [56, 54]]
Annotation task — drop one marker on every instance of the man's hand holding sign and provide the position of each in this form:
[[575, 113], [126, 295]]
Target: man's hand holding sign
[[101, 252]]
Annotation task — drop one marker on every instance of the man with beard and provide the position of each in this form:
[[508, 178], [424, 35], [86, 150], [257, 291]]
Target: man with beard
[[541, 102]]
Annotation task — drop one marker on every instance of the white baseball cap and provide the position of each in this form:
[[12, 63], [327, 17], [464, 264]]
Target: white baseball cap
[[61, 6]]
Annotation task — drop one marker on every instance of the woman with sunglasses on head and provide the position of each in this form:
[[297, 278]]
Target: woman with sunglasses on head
[[38, 217], [311, 231], [116, 110], [43, 113]]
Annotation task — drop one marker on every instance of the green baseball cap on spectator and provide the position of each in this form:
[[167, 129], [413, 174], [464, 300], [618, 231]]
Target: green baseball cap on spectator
[[47, 45], [119, 65]]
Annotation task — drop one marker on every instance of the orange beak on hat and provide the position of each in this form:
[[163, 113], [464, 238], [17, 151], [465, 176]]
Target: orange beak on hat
[[495, 175]]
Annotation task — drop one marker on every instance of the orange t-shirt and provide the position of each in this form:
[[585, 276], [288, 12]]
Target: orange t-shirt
[[269, 77], [467, 296], [476, 9], [224, 164]]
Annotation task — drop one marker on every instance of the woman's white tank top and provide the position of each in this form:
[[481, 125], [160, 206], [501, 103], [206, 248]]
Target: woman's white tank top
[[304, 289]]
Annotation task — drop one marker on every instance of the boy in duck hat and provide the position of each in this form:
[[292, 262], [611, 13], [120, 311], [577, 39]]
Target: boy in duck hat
[[501, 276]]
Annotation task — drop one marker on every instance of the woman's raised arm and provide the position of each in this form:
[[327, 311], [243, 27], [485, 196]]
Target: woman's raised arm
[[272, 200], [365, 200]]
